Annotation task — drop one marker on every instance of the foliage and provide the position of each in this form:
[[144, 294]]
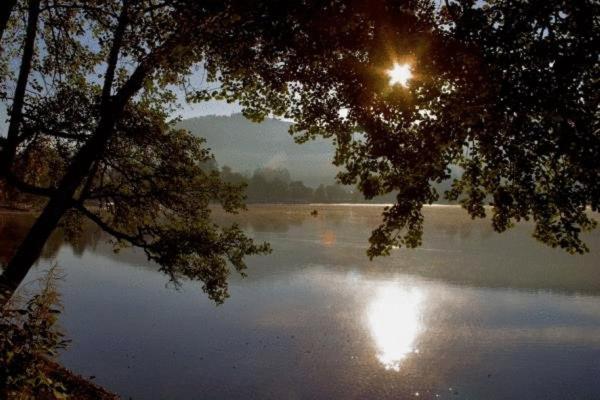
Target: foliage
[[274, 185], [29, 339], [505, 90], [89, 135]]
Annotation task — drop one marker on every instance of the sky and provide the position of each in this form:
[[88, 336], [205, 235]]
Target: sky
[[212, 107], [197, 79]]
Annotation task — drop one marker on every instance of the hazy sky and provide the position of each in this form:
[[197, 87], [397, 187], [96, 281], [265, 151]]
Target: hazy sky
[[212, 107]]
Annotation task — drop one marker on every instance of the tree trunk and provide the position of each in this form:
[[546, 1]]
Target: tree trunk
[[8, 151], [16, 114], [31, 247], [62, 199]]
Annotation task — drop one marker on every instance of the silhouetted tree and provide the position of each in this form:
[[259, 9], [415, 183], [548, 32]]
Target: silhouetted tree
[[320, 194], [505, 90], [257, 188], [148, 181], [299, 193], [337, 194], [233, 177], [268, 185]]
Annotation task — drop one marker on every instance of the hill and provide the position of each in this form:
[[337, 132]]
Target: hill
[[246, 146]]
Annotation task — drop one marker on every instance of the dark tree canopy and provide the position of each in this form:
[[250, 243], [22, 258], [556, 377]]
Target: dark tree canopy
[[89, 133], [505, 90]]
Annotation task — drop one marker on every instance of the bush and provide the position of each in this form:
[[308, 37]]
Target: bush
[[29, 338]]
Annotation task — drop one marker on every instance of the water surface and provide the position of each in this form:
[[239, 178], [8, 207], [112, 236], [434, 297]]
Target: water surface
[[470, 315]]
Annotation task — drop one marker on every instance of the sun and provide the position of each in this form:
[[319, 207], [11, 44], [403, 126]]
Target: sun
[[400, 74]]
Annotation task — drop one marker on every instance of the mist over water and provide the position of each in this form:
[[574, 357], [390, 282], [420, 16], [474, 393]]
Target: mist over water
[[470, 314]]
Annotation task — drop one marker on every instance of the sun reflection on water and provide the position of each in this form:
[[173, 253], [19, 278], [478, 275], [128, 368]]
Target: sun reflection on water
[[394, 317]]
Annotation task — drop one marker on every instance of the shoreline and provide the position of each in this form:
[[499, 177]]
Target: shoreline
[[77, 386]]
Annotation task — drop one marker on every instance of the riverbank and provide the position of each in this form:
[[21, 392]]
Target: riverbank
[[77, 386]]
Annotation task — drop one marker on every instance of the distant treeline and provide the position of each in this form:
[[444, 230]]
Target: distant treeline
[[268, 185]]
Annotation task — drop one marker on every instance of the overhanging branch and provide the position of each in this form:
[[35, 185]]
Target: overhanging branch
[[25, 187], [136, 241]]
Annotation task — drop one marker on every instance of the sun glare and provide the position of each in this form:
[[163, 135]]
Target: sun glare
[[400, 74]]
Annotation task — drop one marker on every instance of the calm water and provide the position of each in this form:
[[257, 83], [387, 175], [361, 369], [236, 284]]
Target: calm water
[[470, 315]]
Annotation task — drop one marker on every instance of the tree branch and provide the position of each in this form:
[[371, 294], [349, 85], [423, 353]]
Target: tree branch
[[6, 8], [16, 115], [14, 181], [113, 55], [29, 132], [136, 241]]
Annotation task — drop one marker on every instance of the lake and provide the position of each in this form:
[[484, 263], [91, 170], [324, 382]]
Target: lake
[[472, 314]]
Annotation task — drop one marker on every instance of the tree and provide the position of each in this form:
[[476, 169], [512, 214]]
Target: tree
[[300, 193], [337, 193], [504, 90], [320, 194], [120, 164], [257, 188], [236, 178]]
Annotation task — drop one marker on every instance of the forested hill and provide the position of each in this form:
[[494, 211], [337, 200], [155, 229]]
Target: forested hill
[[246, 146]]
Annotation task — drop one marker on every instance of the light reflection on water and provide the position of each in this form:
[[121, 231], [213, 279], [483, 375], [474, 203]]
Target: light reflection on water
[[490, 316], [394, 318]]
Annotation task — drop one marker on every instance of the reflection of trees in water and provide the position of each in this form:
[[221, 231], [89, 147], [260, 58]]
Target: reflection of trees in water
[[265, 219], [456, 249], [450, 222], [14, 227], [336, 218], [451, 228], [280, 218], [272, 224], [12, 230], [87, 239]]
